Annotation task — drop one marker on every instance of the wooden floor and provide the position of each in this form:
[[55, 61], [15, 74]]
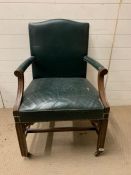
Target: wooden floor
[[68, 153]]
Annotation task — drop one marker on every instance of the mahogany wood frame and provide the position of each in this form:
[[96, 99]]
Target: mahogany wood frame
[[100, 126]]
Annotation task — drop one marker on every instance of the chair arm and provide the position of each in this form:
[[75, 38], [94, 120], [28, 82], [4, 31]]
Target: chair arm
[[21, 69], [19, 72], [102, 71], [101, 89], [94, 63]]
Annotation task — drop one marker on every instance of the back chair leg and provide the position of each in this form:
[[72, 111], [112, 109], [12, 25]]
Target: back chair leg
[[20, 130], [101, 136]]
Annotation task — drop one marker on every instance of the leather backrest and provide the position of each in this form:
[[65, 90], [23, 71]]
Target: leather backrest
[[59, 46]]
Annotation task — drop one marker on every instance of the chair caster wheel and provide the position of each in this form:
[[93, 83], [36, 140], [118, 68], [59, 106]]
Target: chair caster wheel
[[29, 155], [99, 151]]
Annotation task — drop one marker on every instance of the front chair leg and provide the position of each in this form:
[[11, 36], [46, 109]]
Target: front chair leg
[[20, 130], [101, 136]]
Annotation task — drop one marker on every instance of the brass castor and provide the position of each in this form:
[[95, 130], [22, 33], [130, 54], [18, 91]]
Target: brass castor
[[99, 151], [29, 155]]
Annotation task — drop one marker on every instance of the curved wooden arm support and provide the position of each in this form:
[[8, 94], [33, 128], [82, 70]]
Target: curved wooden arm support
[[20, 74], [101, 88], [102, 71], [20, 91]]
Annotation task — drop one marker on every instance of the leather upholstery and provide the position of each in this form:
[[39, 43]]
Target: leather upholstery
[[25, 64], [59, 89], [59, 46], [48, 99], [94, 63]]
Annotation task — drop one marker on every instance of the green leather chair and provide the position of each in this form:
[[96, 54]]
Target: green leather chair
[[59, 90]]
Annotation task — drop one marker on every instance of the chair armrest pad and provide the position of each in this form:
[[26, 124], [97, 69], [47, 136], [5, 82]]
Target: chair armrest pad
[[94, 63], [23, 66]]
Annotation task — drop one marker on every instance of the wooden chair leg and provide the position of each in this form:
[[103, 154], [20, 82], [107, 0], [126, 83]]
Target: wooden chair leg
[[101, 136], [22, 139]]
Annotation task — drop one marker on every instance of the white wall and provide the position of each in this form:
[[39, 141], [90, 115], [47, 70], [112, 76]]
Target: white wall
[[114, 51]]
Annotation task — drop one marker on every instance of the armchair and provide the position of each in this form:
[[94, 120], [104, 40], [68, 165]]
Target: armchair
[[59, 90]]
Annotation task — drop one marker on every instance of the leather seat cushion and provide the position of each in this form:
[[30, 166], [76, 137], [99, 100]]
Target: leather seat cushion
[[48, 99]]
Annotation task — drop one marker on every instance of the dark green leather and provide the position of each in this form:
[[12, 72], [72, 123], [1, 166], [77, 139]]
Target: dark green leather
[[59, 90], [94, 63], [25, 64], [48, 99], [59, 46]]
